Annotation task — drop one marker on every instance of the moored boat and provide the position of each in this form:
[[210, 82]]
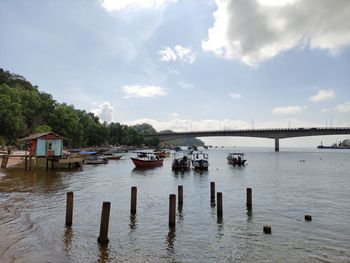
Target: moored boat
[[200, 160], [236, 159], [96, 160], [181, 162], [114, 156], [147, 159]]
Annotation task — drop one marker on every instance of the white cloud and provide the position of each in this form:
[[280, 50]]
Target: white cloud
[[235, 96], [185, 85], [323, 95], [288, 109], [178, 53], [345, 107], [325, 110], [142, 91], [254, 31], [104, 111], [116, 5]]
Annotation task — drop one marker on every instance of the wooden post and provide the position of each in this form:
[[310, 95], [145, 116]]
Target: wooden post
[[30, 162], [47, 163], [219, 201], [69, 209], [103, 238], [212, 191], [52, 163], [308, 218], [249, 198], [26, 164], [172, 210], [133, 200], [267, 229], [4, 161], [180, 193]]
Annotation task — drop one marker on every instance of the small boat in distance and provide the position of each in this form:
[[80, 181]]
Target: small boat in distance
[[96, 160], [236, 159], [341, 145], [114, 156], [200, 160], [147, 159], [180, 162]]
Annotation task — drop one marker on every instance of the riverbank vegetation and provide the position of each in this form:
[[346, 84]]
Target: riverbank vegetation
[[24, 110]]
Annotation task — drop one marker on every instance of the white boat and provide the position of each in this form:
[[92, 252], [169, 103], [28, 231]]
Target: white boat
[[200, 160], [96, 160], [236, 159], [181, 161]]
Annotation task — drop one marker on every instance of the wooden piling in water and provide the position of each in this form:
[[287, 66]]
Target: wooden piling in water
[[219, 204], [267, 229], [25, 163], [103, 238], [212, 191], [308, 218], [172, 210], [69, 209], [249, 199], [4, 161], [180, 193], [133, 200]]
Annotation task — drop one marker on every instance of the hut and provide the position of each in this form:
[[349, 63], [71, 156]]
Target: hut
[[46, 144], [47, 147]]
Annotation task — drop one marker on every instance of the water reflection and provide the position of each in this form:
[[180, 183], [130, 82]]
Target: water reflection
[[250, 216], [104, 254], [67, 240], [133, 222], [170, 239], [42, 180]]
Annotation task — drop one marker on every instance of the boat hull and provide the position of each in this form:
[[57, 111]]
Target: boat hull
[[146, 163]]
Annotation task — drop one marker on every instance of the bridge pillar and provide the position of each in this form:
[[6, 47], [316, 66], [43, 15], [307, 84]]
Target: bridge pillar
[[277, 145]]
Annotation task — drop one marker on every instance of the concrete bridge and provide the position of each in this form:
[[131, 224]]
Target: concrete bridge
[[276, 134]]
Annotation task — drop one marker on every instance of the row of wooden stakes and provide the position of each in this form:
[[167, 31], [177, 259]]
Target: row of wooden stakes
[[103, 237]]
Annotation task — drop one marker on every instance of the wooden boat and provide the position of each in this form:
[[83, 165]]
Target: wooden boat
[[162, 154], [236, 159], [200, 160], [181, 162], [96, 160], [147, 159], [114, 156]]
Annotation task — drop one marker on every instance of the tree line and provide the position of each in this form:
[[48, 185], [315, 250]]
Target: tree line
[[25, 110]]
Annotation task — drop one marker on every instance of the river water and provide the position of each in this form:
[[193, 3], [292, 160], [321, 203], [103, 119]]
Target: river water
[[286, 186]]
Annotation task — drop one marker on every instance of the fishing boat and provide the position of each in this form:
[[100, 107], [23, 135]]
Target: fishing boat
[[181, 162], [96, 160], [236, 159], [162, 154], [200, 160], [341, 145], [147, 159], [114, 156]]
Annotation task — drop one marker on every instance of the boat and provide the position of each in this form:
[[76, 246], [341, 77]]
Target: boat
[[200, 160], [114, 156], [162, 154], [181, 162], [96, 160], [342, 145], [236, 159], [147, 159]]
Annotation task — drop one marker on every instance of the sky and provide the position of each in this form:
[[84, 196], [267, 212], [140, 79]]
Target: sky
[[189, 65]]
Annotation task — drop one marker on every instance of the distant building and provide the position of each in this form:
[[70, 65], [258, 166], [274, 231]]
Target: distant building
[[45, 144]]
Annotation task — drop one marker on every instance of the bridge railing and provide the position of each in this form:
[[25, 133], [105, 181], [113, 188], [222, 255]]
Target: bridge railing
[[255, 130]]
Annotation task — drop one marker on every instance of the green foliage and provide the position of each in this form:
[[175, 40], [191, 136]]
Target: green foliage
[[24, 110], [42, 128]]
